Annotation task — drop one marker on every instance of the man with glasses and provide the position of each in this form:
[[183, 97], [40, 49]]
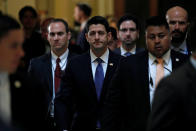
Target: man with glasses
[[129, 30]]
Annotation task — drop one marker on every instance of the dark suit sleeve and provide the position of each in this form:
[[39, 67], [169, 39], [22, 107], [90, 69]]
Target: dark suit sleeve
[[165, 107], [113, 104], [38, 103], [64, 100]]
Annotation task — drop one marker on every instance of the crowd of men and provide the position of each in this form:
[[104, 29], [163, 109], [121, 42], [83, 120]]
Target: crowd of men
[[97, 84]]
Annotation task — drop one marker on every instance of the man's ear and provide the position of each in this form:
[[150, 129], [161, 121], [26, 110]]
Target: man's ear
[[69, 35], [86, 35], [109, 35]]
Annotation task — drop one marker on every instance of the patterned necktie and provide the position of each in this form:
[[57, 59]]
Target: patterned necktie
[[57, 74], [99, 77], [159, 71], [127, 54]]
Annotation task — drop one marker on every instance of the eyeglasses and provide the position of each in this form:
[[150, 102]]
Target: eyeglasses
[[126, 29]]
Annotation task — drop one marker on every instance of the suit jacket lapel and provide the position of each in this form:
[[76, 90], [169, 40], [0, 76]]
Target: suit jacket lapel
[[112, 65], [88, 72], [70, 55], [145, 77], [176, 61], [48, 73], [117, 51], [191, 74]]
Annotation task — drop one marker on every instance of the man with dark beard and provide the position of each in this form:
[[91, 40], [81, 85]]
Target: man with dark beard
[[177, 18]]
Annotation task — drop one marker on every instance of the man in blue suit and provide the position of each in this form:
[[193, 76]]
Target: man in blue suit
[[129, 29], [44, 69], [130, 96], [85, 81]]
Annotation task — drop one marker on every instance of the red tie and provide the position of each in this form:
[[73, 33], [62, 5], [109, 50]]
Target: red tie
[[57, 74]]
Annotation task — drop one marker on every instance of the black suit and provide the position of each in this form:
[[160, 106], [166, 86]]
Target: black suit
[[40, 70], [25, 103], [174, 106], [128, 102], [78, 89]]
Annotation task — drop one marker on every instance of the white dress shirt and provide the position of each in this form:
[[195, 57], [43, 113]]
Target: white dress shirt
[[83, 24], [94, 63], [62, 64], [152, 70], [5, 98], [123, 51]]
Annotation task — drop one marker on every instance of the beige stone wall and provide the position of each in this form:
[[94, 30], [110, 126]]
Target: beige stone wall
[[12, 7], [57, 8]]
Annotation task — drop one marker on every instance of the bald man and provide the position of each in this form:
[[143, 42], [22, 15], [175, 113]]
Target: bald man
[[177, 18]]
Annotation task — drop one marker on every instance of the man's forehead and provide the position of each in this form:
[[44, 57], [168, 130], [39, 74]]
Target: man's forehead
[[156, 29], [56, 27], [97, 27], [126, 22], [177, 12]]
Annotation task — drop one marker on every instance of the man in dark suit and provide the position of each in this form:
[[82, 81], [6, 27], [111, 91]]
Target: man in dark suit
[[44, 69], [85, 82], [82, 12], [11, 38], [129, 29], [34, 45], [174, 104], [17, 108], [128, 103], [178, 20]]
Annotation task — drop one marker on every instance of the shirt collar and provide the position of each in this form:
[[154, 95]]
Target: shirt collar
[[83, 24], [3, 78], [166, 57], [182, 47], [104, 57], [62, 57], [193, 62], [123, 51]]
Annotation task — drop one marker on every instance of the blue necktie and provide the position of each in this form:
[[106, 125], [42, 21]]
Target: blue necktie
[[99, 77], [127, 54]]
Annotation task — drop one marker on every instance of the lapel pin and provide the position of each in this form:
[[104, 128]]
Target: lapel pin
[[111, 64], [177, 59], [17, 84]]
